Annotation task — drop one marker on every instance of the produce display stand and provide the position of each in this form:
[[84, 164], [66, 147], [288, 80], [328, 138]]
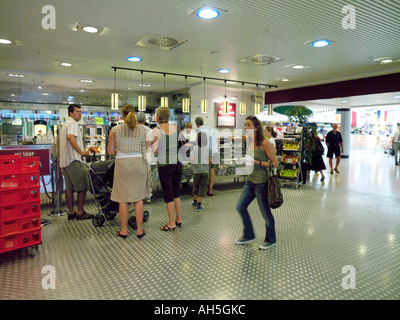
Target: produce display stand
[[20, 216], [291, 158]]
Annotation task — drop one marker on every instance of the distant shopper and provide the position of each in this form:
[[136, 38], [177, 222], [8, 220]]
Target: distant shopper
[[334, 142], [201, 158], [317, 162], [75, 173], [271, 135], [213, 145], [395, 142], [264, 158], [165, 145], [141, 119], [127, 142]]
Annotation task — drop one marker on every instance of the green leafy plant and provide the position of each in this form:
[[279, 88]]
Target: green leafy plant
[[301, 115]]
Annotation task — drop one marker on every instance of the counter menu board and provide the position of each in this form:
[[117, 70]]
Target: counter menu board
[[226, 119]]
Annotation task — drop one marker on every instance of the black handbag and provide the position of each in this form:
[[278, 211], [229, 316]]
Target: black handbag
[[274, 193]]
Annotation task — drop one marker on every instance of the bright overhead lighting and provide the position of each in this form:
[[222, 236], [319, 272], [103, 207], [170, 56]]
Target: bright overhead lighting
[[5, 41], [320, 43], [66, 64], [90, 29], [386, 61], [223, 70], [298, 66], [396, 97], [15, 75], [344, 101], [208, 13], [86, 81], [134, 59]]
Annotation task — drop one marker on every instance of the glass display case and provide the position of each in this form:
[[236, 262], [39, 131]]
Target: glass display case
[[95, 139]]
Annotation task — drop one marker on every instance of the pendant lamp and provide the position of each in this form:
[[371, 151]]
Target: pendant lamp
[[164, 100], [257, 104], [186, 101], [225, 104], [115, 96], [242, 105], [142, 98], [204, 102]]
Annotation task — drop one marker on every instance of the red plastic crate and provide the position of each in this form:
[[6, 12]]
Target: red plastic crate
[[19, 210], [9, 164], [21, 240], [19, 180], [29, 164], [23, 195], [10, 227], [30, 223]]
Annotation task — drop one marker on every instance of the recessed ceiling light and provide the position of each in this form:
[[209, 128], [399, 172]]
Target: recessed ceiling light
[[207, 13], [320, 43], [386, 61], [5, 41], [65, 64], [224, 70], [344, 101], [298, 66], [90, 29], [134, 59], [86, 81]]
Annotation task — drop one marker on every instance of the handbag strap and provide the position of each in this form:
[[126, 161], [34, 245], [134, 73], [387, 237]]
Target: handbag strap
[[273, 171]]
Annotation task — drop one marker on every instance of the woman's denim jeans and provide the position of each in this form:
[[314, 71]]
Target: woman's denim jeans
[[249, 192]]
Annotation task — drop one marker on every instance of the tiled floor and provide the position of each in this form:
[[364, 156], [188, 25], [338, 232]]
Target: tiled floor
[[351, 219]]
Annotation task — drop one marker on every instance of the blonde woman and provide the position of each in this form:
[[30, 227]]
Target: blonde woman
[[165, 145], [132, 183]]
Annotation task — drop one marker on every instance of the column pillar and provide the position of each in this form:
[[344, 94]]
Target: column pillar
[[345, 130]]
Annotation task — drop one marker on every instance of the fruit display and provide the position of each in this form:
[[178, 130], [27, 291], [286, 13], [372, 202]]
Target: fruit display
[[290, 145], [289, 159], [289, 173]]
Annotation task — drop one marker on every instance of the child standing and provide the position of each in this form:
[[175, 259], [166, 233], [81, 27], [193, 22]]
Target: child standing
[[200, 159]]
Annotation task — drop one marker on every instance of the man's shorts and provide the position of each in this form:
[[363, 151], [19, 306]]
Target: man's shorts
[[200, 183], [76, 177], [215, 161], [333, 150]]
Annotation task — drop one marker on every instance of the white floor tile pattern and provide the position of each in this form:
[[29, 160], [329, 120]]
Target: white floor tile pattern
[[350, 219]]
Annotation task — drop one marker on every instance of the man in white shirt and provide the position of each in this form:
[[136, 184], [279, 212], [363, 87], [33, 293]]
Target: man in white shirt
[[396, 145], [73, 168], [213, 145]]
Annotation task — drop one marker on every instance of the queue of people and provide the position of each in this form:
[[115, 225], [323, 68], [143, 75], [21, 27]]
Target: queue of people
[[131, 141]]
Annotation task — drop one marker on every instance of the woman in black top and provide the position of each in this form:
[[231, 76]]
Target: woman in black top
[[317, 163]]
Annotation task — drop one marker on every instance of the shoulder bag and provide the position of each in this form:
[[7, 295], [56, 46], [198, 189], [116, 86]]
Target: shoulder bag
[[274, 193]]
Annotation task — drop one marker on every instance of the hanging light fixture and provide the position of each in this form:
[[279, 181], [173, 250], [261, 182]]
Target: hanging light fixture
[[257, 104], [242, 105], [225, 104], [142, 98], [186, 101], [115, 96], [204, 102], [164, 99]]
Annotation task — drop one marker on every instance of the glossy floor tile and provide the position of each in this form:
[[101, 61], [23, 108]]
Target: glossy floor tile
[[332, 235]]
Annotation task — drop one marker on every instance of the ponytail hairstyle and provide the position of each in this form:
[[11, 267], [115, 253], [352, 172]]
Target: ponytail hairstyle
[[259, 134], [130, 118], [270, 129]]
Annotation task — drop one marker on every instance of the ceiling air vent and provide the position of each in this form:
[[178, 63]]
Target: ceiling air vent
[[156, 41], [261, 59]]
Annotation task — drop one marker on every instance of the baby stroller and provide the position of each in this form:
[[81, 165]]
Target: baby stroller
[[101, 176]]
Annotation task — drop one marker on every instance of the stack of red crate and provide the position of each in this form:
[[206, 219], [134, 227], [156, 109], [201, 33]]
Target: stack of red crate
[[19, 202]]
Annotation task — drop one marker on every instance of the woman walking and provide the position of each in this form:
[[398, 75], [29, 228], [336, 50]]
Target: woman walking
[[127, 142], [317, 162], [261, 156]]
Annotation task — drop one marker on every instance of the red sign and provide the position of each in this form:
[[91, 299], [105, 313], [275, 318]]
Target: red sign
[[226, 119], [43, 154]]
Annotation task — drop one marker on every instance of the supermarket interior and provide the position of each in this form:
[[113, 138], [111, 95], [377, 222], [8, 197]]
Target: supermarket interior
[[337, 236]]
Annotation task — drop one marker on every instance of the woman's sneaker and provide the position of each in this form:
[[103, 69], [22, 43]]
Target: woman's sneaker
[[266, 245], [244, 240]]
